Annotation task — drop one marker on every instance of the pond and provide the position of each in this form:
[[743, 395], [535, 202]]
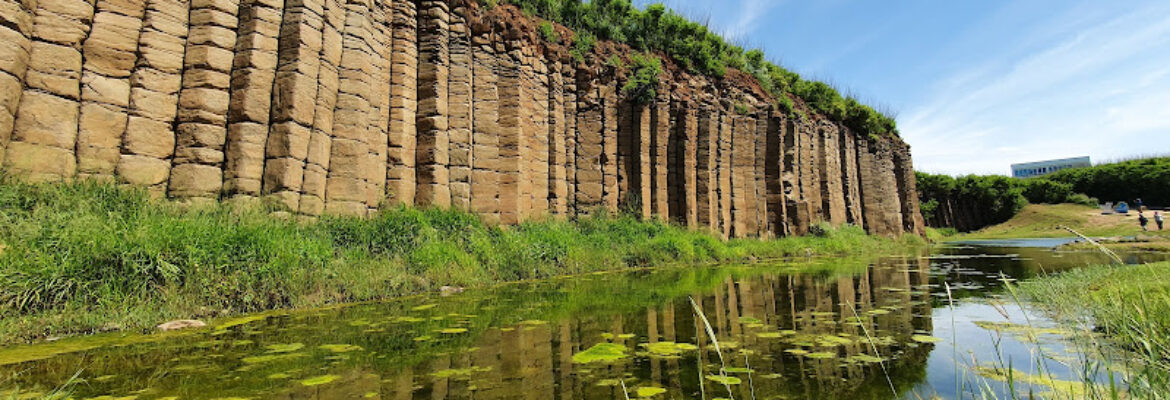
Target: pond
[[822, 328]]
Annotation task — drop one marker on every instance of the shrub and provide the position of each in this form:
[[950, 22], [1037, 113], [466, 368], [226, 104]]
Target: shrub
[[548, 33], [642, 86]]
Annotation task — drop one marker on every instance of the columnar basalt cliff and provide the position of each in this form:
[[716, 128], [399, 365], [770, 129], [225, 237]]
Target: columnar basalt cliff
[[345, 106]]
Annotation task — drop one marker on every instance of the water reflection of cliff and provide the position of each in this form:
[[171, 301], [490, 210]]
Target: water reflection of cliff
[[534, 361], [803, 336]]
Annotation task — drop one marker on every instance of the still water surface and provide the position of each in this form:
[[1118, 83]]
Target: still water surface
[[847, 329]]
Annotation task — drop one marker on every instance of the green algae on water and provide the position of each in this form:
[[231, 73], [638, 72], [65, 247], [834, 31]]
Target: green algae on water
[[925, 339], [649, 391], [726, 380], [453, 331], [340, 348], [319, 380], [601, 352], [667, 349]]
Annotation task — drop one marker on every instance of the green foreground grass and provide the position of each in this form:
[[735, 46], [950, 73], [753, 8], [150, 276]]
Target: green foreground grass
[[1129, 305], [85, 257]]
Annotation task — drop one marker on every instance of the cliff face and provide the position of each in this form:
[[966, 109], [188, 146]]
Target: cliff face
[[334, 106]]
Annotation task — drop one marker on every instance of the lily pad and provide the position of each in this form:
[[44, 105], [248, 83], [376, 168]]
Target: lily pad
[[453, 331], [319, 380], [668, 349], [864, 358], [726, 380], [601, 352], [340, 348], [925, 339], [284, 348], [821, 355], [649, 391], [424, 307]]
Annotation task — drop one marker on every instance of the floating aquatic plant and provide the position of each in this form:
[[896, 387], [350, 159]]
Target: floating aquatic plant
[[284, 348], [340, 348], [601, 352], [726, 380], [319, 380], [649, 391], [925, 339]]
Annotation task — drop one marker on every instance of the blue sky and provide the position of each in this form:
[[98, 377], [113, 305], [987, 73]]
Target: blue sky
[[977, 85]]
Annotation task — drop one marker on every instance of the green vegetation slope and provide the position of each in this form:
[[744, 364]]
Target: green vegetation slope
[[83, 257]]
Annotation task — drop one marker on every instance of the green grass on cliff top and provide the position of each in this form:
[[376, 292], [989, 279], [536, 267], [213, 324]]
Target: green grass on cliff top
[[83, 257]]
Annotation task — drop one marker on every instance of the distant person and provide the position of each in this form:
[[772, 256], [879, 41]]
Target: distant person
[[1138, 204], [1158, 219], [1143, 220]]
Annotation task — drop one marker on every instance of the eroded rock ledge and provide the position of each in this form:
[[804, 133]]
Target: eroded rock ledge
[[332, 106]]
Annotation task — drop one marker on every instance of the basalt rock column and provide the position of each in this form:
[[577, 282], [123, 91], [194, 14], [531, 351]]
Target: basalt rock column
[[589, 176], [485, 178], [658, 160], [293, 101], [148, 141], [725, 169], [319, 152], [201, 125], [254, 70], [849, 177], [45, 129], [510, 136], [460, 106], [707, 178], [432, 144], [16, 28], [557, 156], [775, 169], [109, 54], [346, 189], [400, 173], [907, 190], [829, 166]]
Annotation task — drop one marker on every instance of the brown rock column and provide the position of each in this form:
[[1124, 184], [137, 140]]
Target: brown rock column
[[400, 173], [44, 133], [706, 161], [725, 169], [907, 190], [798, 212], [760, 195], [659, 162], [317, 161], [382, 19], [689, 127], [627, 163], [251, 99], [589, 145], [609, 143], [460, 106], [109, 54], [570, 118], [509, 138], [485, 178], [535, 134], [557, 155], [293, 102], [775, 173], [433, 73], [829, 163], [148, 141], [16, 28], [346, 187], [852, 185], [201, 126], [743, 181], [810, 186]]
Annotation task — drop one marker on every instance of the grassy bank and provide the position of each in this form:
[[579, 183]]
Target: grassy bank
[[1045, 220], [1129, 305], [85, 257]]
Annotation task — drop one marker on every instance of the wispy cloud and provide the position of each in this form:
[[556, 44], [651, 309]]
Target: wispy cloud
[[1097, 90], [751, 12]]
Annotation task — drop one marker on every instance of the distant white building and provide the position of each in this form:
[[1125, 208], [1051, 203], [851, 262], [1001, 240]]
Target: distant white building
[[1038, 168]]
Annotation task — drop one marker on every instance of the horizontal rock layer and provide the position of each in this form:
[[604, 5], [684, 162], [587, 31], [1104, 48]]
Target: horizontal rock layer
[[346, 106]]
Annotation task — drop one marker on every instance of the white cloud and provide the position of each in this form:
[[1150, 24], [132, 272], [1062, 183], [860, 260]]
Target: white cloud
[[1102, 90]]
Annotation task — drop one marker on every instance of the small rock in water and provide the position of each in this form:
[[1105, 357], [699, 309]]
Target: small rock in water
[[181, 324], [449, 290]]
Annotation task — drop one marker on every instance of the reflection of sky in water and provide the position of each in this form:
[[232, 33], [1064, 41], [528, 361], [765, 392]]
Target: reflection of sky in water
[[800, 334]]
